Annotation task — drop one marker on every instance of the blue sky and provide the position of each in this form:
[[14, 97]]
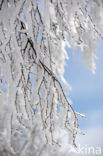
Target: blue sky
[[87, 94]]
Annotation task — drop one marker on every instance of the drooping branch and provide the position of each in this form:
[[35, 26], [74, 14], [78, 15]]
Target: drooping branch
[[33, 36]]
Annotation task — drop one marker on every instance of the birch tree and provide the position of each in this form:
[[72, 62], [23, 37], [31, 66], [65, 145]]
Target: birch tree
[[35, 115]]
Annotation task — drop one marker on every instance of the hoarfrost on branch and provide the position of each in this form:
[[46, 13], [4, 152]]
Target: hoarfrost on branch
[[33, 36]]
